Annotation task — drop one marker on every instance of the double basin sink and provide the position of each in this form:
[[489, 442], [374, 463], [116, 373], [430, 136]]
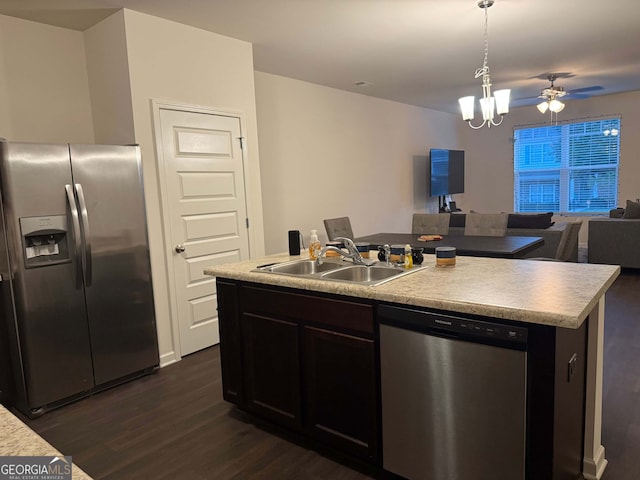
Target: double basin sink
[[339, 271]]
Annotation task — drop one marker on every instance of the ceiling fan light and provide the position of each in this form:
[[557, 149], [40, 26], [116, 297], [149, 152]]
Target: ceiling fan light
[[467, 107], [556, 105], [502, 101], [543, 107]]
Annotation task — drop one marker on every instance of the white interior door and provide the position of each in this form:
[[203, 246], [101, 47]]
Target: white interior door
[[208, 216]]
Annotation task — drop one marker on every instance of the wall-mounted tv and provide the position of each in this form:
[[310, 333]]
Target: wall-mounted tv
[[447, 172]]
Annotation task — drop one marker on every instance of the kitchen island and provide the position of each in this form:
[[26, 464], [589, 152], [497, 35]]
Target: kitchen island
[[305, 353]]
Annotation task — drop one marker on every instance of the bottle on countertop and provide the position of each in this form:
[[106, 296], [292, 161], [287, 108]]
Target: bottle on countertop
[[314, 245], [408, 259]]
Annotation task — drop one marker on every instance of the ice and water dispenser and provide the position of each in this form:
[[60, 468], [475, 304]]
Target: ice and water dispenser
[[45, 240]]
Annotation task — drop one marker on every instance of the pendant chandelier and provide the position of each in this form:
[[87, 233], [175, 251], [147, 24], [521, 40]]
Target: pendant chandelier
[[489, 104]]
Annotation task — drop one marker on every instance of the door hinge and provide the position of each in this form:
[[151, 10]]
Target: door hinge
[[247, 222], [241, 142]]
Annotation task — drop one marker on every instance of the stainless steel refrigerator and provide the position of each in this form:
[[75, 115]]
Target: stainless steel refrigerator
[[77, 303]]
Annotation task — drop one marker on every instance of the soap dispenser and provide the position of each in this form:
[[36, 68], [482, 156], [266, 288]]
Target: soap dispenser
[[408, 259], [314, 245]]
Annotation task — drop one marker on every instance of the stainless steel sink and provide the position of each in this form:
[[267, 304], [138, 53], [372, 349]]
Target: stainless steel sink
[[303, 267], [338, 271], [361, 273]]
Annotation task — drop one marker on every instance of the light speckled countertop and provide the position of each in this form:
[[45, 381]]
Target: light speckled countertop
[[16, 439], [549, 293]]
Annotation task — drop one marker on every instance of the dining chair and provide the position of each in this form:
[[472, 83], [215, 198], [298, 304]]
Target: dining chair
[[566, 245], [425, 223], [486, 224], [338, 227]]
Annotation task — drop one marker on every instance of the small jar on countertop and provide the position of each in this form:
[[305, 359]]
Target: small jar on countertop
[[445, 256], [332, 253], [397, 254], [363, 249]]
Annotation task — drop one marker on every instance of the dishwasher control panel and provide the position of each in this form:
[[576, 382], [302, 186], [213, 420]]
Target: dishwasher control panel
[[486, 329], [452, 326]]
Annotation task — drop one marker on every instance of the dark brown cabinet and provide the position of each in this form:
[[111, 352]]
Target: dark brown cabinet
[[230, 342], [340, 390], [305, 362], [310, 362], [272, 368]]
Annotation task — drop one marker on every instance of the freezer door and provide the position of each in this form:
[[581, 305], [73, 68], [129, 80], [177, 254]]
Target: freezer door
[[50, 337], [116, 266]]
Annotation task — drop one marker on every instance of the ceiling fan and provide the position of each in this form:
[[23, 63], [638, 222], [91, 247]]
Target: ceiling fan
[[551, 94]]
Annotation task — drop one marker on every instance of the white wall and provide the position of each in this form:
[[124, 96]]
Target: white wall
[[44, 91], [108, 69], [328, 153], [171, 62], [489, 152]]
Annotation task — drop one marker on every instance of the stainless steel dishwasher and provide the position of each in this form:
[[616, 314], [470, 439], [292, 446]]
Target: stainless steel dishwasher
[[453, 397]]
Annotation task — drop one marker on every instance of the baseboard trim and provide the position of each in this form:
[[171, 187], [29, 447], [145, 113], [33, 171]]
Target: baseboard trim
[[167, 359], [593, 468]]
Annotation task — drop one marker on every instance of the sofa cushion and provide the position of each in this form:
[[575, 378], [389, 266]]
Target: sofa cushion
[[632, 210], [616, 213], [614, 241], [530, 220]]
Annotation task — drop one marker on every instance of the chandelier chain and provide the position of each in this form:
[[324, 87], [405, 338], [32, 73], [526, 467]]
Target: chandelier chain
[[484, 70]]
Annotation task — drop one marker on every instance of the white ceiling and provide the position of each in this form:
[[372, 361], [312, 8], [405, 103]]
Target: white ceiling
[[420, 52]]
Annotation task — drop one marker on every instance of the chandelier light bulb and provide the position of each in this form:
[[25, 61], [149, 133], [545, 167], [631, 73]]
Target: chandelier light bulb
[[467, 107], [502, 101], [543, 107], [487, 105]]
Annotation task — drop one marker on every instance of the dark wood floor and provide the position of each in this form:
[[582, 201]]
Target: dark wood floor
[[174, 424], [621, 392]]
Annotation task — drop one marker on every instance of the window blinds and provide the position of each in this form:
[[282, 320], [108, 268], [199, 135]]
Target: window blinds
[[567, 168]]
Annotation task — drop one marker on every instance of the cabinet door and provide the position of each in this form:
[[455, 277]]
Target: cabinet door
[[272, 368], [340, 389]]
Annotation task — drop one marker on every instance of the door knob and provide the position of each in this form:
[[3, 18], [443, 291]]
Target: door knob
[[179, 248]]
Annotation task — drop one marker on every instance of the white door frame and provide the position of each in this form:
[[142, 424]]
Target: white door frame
[[156, 106]]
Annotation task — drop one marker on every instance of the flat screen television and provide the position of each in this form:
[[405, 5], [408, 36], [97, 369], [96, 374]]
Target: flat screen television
[[446, 172]]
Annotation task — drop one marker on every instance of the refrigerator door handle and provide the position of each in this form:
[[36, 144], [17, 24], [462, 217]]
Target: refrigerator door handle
[[75, 222], [86, 235]]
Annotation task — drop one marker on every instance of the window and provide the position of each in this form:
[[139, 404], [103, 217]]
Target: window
[[567, 168]]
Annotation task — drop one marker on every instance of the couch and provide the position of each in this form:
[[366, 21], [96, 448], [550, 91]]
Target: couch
[[615, 240], [527, 225]]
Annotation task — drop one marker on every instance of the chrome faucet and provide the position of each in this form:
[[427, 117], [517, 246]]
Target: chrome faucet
[[353, 252], [387, 255]]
